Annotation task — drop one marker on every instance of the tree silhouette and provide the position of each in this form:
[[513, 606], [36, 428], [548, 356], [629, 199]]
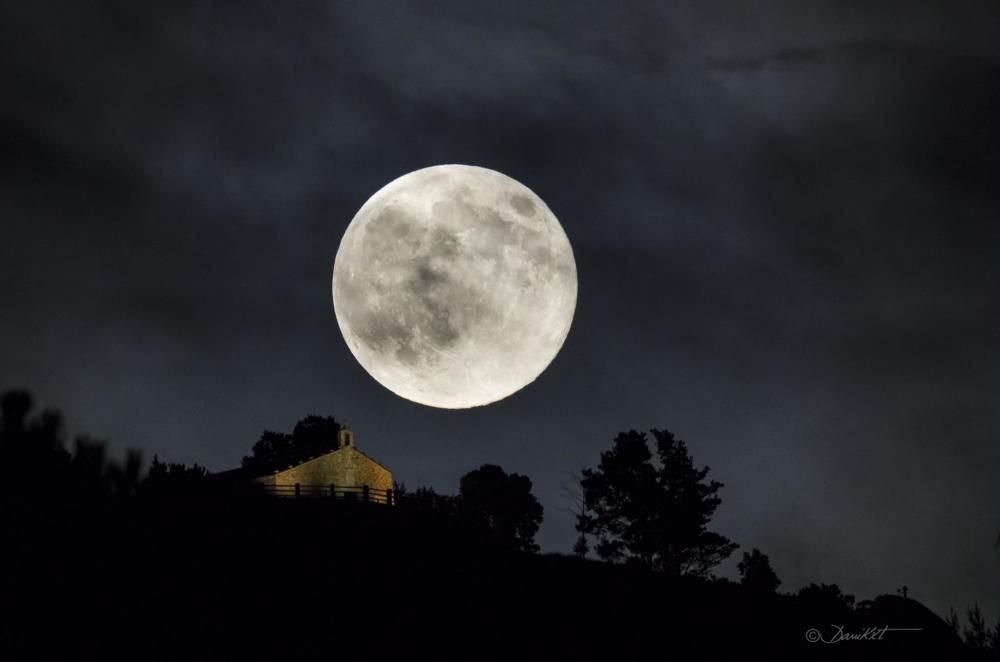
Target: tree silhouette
[[315, 435], [993, 640], [33, 458], [953, 621], [32, 447], [124, 479], [427, 498], [500, 506], [826, 598], [756, 572], [174, 477], [311, 436], [653, 513], [982, 640], [272, 451], [976, 633], [35, 441], [14, 406], [572, 493]]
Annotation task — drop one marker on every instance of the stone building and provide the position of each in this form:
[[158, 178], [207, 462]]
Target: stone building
[[344, 471]]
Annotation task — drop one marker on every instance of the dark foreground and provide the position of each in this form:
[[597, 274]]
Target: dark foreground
[[235, 576]]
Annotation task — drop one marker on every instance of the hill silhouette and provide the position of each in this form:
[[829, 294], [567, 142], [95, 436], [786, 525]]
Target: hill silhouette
[[178, 566]]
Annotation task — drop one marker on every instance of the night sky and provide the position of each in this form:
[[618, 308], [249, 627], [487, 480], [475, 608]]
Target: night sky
[[784, 221]]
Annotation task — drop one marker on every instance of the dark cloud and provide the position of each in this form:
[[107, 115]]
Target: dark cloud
[[783, 218]]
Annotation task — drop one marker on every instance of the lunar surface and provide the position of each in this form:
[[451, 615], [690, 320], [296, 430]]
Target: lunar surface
[[454, 286]]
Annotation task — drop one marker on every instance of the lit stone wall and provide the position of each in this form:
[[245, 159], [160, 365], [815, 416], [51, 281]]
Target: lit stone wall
[[343, 467]]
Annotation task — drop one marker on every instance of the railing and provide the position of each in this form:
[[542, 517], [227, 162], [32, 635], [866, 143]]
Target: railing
[[362, 493]]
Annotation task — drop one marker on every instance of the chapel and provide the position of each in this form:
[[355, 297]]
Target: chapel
[[343, 472]]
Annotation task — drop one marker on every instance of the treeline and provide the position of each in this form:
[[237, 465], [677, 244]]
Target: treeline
[[177, 530]]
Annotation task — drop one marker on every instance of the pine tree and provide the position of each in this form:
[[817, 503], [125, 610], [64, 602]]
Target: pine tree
[[652, 512], [756, 572]]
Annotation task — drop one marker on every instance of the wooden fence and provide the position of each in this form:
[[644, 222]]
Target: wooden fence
[[362, 493]]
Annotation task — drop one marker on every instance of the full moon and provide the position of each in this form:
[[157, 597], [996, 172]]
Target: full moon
[[454, 286]]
